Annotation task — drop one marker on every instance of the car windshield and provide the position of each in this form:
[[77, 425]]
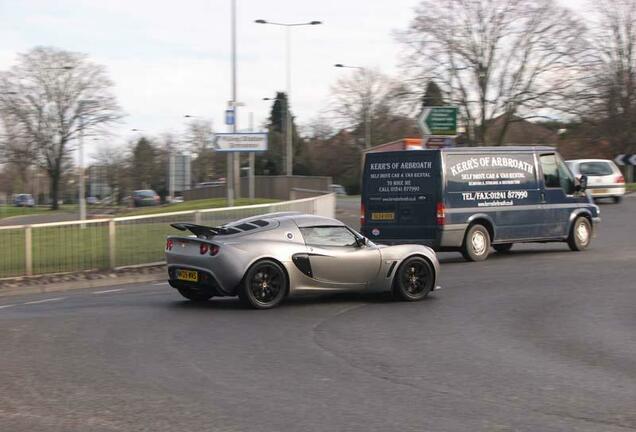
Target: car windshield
[[145, 193], [595, 169]]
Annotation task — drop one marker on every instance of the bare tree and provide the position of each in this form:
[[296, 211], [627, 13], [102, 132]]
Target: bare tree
[[361, 99], [198, 137], [49, 97], [115, 164], [615, 37], [510, 58]]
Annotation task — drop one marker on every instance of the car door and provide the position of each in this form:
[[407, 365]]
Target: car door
[[557, 195], [337, 257]]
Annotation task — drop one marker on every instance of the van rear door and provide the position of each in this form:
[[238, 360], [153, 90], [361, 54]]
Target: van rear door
[[399, 195]]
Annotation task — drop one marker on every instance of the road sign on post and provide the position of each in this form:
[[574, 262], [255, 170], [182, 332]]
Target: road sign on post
[[240, 142], [229, 117], [438, 120], [436, 142], [625, 159]]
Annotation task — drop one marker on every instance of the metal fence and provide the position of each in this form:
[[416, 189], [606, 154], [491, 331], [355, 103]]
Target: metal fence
[[119, 242]]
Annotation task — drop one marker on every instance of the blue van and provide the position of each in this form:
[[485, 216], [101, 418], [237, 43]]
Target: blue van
[[469, 199]]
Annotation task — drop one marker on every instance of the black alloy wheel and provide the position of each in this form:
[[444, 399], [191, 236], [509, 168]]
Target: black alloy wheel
[[264, 286], [414, 279]]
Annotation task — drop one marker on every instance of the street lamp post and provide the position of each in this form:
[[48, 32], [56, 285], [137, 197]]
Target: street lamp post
[[288, 123], [367, 108], [82, 104]]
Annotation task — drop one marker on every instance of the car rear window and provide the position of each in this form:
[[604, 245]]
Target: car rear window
[[595, 168]]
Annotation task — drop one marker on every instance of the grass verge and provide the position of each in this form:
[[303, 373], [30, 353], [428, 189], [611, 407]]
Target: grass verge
[[72, 248]]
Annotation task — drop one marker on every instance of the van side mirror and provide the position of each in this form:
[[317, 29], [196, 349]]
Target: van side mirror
[[582, 184]]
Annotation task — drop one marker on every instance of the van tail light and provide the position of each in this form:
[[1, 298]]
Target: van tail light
[[441, 213], [620, 179], [362, 210]]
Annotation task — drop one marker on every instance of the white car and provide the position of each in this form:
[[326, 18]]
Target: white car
[[604, 179]]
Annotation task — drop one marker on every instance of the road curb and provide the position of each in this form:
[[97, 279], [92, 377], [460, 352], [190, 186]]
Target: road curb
[[38, 286]]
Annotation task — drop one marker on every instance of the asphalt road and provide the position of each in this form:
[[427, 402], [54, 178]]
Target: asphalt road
[[542, 339]]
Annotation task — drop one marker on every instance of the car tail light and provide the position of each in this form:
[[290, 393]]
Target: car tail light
[[157, 198], [362, 209], [441, 213], [203, 248], [620, 179], [169, 244], [213, 249]]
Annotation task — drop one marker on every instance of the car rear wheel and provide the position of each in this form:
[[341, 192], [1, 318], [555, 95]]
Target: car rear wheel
[[195, 296], [476, 243], [502, 247], [264, 286], [581, 234], [414, 279]]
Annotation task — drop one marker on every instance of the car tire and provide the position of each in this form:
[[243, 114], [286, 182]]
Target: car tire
[[581, 234], [414, 279], [264, 286], [194, 295], [502, 247], [617, 199], [476, 243]]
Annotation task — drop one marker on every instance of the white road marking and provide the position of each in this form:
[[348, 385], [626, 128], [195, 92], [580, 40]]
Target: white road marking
[[45, 300], [7, 306], [108, 291], [160, 283]]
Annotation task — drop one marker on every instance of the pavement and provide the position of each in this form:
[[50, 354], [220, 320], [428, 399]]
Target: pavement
[[541, 339], [38, 218]]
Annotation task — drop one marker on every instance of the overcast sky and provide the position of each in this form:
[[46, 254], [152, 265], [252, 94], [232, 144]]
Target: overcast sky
[[171, 58]]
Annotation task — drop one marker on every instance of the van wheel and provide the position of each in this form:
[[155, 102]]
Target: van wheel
[[580, 235], [502, 247], [476, 244], [617, 199]]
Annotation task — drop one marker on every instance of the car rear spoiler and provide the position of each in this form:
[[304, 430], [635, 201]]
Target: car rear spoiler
[[200, 230]]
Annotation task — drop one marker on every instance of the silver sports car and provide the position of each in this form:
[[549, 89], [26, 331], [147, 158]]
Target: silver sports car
[[262, 259]]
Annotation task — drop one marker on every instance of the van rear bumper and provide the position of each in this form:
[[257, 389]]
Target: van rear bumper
[[452, 236], [447, 237]]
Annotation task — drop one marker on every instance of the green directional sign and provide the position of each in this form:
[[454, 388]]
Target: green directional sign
[[438, 120]]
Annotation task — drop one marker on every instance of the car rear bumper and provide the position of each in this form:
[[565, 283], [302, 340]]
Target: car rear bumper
[[606, 191], [206, 282]]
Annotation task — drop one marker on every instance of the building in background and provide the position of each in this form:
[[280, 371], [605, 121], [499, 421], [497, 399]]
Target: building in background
[[179, 174]]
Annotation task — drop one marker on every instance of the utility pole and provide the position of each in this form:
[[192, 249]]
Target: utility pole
[[251, 163], [229, 180]]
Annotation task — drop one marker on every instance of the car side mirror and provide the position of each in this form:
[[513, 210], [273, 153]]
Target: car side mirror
[[582, 184], [362, 241]]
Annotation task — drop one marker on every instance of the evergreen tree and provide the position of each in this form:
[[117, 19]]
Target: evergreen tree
[[433, 95]]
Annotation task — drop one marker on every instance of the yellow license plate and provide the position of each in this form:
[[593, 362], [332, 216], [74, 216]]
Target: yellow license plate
[[188, 275], [382, 216]]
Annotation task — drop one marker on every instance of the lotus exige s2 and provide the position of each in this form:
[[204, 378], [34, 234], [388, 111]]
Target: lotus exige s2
[[262, 259]]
